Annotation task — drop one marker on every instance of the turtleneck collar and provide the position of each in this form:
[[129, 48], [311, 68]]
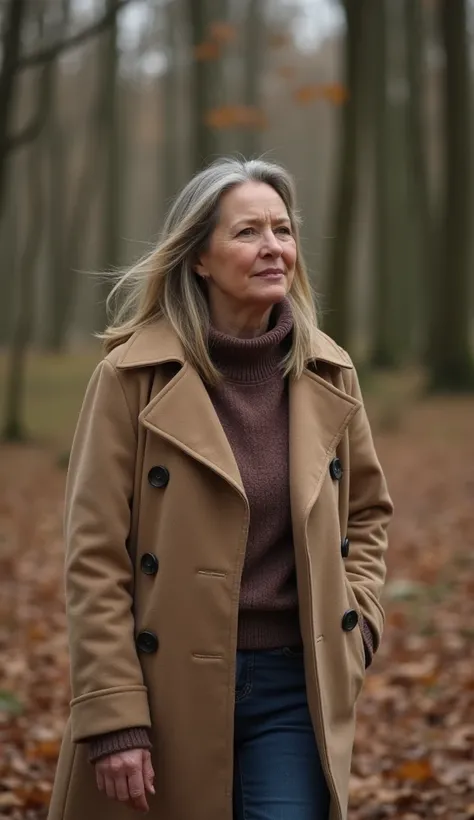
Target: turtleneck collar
[[253, 360]]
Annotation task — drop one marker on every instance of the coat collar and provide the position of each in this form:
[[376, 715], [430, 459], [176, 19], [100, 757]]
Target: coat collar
[[182, 413], [158, 343]]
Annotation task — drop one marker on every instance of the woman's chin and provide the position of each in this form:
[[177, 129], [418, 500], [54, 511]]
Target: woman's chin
[[270, 293]]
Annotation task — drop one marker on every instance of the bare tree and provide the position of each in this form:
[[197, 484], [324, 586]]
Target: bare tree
[[253, 64], [24, 276], [426, 216], [11, 45], [382, 351], [338, 320], [14, 63], [451, 364], [57, 154], [203, 79], [169, 125], [110, 153]]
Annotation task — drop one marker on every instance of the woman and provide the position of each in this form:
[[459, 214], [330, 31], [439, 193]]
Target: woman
[[226, 524]]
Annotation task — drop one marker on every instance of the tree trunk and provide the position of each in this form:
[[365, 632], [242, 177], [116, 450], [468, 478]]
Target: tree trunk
[[452, 366], [13, 17], [427, 238], [111, 132], [14, 427], [89, 185], [254, 37], [9, 260], [339, 319], [382, 351], [24, 273], [58, 273], [169, 125], [204, 142]]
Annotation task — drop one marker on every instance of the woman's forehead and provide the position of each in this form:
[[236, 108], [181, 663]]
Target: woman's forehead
[[253, 200]]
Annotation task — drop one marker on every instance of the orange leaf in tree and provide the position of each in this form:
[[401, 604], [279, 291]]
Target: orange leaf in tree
[[235, 116], [207, 51], [418, 770], [220, 117], [335, 93], [307, 94], [222, 32]]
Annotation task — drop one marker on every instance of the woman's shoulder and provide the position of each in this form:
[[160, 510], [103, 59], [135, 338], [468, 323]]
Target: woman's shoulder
[[153, 344]]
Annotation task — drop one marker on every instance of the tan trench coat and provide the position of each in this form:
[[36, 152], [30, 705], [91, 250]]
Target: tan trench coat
[[146, 407]]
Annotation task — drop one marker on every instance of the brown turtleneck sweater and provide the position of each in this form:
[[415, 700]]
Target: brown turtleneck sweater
[[251, 402]]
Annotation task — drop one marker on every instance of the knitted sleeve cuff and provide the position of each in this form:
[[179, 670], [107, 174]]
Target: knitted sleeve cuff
[[134, 738], [368, 639]]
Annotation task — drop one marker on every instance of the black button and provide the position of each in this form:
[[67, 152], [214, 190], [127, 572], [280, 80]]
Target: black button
[[147, 641], [345, 545], [350, 619], [149, 564], [158, 476], [335, 468]]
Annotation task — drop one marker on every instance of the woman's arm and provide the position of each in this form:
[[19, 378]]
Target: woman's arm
[[108, 693], [370, 510]]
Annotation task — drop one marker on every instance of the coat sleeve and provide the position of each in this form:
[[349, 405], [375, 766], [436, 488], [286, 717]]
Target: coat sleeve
[[108, 692], [370, 510]]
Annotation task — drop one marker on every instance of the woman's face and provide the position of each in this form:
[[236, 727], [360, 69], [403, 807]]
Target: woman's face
[[250, 260]]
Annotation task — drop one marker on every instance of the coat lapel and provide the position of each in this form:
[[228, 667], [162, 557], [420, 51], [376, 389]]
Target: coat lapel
[[319, 415], [183, 413]]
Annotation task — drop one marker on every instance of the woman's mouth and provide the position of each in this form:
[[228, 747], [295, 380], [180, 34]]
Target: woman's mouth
[[270, 273]]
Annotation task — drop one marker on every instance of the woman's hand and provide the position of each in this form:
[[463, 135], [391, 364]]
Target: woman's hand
[[127, 776]]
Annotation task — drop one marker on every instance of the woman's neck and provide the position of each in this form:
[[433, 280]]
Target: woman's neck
[[243, 324]]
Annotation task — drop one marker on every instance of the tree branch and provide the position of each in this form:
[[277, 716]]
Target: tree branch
[[50, 53], [33, 129]]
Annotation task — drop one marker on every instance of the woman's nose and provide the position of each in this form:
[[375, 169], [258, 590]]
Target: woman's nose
[[271, 244]]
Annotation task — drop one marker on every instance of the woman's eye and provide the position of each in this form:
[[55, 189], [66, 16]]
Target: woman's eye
[[246, 231], [284, 229]]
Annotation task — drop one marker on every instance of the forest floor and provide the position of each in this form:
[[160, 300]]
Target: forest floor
[[413, 755]]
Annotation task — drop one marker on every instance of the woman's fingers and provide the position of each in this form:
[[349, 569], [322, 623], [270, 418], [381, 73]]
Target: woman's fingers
[[126, 776], [99, 779], [148, 772], [110, 787], [136, 789], [121, 788]]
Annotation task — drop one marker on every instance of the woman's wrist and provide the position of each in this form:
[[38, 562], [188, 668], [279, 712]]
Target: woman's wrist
[[368, 639], [136, 737]]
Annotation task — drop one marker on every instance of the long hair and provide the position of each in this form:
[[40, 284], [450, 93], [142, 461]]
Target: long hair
[[163, 283]]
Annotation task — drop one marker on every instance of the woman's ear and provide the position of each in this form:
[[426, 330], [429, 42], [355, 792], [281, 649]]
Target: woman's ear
[[200, 269]]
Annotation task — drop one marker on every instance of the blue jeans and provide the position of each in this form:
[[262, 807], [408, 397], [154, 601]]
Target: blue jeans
[[277, 770]]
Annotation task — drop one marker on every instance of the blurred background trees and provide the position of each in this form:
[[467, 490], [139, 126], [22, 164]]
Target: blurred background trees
[[108, 106]]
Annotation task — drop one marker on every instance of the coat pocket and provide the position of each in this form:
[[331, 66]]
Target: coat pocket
[[356, 640]]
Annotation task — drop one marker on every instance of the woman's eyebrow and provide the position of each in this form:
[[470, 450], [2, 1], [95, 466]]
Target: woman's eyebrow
[[259, 220]]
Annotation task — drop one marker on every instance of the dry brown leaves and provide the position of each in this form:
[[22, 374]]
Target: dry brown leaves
[[414, 747]]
